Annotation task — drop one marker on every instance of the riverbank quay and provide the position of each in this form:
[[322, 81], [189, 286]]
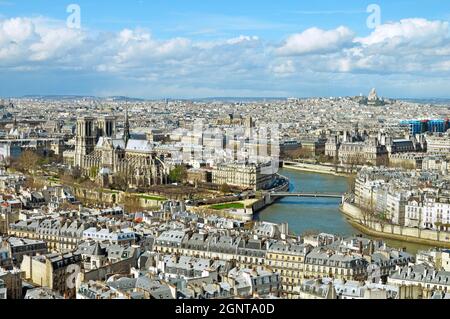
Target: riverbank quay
[[244, 209], [266, 200], [334, 170], [367, 225]]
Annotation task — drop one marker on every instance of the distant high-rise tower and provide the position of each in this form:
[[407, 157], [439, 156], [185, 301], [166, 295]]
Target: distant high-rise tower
[[85, 139]]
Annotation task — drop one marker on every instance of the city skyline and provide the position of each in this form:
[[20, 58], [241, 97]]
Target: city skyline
[[224, 158], [197, 50]]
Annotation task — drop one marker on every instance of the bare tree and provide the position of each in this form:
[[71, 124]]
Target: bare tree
[[67, 206], [121, 181], [351, 183], [368, 215], [132, 204], [88, 184], [299, 153], [67, 179], [225, 188], [403, 165], [33, 183], [28, 162], [354, 161]]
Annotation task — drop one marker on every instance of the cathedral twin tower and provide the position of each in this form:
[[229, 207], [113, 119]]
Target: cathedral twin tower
[[89, 131]]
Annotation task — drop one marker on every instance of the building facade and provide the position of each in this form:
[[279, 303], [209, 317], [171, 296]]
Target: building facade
[[52, 271], [248, 176]]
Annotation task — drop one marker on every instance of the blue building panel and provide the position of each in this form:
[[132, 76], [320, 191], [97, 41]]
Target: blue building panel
[[423, 126]]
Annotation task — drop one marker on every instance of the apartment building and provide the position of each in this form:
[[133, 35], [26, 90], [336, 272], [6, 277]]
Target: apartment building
[[60, 236], [288, 259], [428, 279], [12, 281], [19, 247], [428, 212], [438, 144], [322, 262], [244, 175], [3, 290], [52, 271], [361, 153]]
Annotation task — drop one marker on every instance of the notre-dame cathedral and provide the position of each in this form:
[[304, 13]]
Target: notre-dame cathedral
[[101, 152]]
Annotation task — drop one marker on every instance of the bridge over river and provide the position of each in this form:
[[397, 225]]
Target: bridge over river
[[306, 195]]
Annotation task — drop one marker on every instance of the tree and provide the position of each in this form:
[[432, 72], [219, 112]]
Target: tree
[[178, 174], [67, 179], [354, 161], [406, 165], [351, 183], [27, 162], [93, 172], [121, 181], [225, 188], [88, 184], [132, 204], [298, 153], [76, 173], [67, 206], [335, 160], [33, 183], [368, 215], [325, 159]]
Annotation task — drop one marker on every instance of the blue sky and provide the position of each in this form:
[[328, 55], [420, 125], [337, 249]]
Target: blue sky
[[273, 19], [195, 48]]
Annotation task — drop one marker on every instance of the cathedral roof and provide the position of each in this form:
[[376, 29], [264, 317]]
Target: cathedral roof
[[108, 142], [139, 146], [133, 145]]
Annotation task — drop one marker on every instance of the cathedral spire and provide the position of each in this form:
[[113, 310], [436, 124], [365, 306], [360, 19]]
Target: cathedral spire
[[126, 131]]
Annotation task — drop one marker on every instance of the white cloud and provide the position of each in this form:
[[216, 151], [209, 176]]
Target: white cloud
[[241, 39], [56, 43], [283, 69], [407, 48], [316, 40], [133, 47], [17, 30], [410, 32], [27, 40]]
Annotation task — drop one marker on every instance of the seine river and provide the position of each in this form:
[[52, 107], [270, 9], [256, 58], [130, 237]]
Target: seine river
[[316, 214]]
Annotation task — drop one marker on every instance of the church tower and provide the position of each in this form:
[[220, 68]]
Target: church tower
[[106, 126], [126, 131], [85, 139]]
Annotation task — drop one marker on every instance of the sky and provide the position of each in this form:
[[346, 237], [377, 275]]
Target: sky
[[201, 48]]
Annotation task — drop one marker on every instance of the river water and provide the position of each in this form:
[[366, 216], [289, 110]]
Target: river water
[[317, 214]]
